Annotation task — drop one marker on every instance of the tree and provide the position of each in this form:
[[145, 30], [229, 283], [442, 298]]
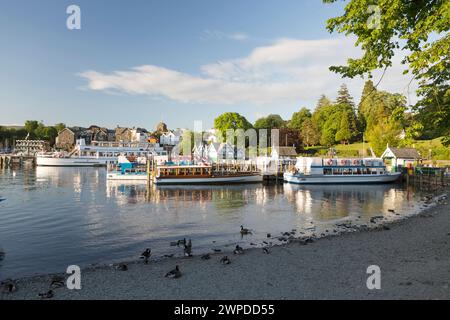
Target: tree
[[309, 133], [272, 121], [231, 120], [299, 117], [60, 126], [322, 111], [330, 128], [30, 127], [369, 91], [344, 97], [420, 29], [344, 134]]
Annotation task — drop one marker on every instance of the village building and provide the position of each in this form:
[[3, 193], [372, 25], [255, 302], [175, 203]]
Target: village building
[[169, 139], [400, 157], [97, 133], [139, 135], [123, 134], [66, 139], [283, 153]]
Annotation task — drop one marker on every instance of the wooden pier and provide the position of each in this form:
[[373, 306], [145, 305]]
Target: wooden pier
[[426, 176], [16, 161]]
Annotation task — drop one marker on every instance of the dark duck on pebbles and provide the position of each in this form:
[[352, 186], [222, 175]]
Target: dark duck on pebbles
[[188, 249], [245, 231], [175, 273], [206, 257], [238, 250], [266, 250], [57, 282], [225, 260], [146, 255], [122, 267], [8, 286], [46, 295]]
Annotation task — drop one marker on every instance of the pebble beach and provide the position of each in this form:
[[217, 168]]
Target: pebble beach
[[412, 255]]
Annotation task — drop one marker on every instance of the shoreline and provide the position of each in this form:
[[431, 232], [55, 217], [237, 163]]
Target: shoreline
[[412, 258]]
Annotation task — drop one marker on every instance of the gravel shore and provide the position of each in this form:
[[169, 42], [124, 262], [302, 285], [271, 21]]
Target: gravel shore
[[413, 255]]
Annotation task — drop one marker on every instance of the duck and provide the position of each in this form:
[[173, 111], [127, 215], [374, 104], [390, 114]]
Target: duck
[[245, 230], [122, 267], [238, 250], [225, 260], [175, 273], [46, 295], [9, 286], [217, 250], [57, 282], [180, 242], [187, 251], [206, 257], [146, 255], [265, 250], [391, 210]]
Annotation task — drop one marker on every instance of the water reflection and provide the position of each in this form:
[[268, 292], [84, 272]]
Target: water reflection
[[56, 216]]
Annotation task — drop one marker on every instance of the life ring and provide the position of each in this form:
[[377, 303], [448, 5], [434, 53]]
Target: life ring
[[356, 162], [330, 162], [343, 161]]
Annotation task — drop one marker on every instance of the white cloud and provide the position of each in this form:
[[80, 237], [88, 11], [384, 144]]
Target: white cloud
[[288, 71], [220, 35]]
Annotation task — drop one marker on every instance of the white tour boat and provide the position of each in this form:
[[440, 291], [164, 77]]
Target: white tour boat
[[339, 171], [128, 168], [201, 174], [97, 154]]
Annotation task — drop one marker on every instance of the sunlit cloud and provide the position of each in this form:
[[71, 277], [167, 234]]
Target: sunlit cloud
[[286, 71]]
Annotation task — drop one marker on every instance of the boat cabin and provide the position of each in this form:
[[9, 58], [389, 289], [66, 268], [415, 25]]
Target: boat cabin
[[186, 171], [335, 166]]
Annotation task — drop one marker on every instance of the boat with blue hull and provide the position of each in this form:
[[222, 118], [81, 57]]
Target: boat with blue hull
[[129, 168], [339, 171]]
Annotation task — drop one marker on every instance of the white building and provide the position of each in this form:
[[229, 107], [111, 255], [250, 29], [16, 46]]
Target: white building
[[169, 138], [400, 157], [138, 135]]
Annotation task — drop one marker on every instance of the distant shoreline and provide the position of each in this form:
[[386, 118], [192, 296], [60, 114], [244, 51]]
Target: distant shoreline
[[412, 254]]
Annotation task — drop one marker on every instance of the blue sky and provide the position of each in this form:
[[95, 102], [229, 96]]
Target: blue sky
[[135, 63]]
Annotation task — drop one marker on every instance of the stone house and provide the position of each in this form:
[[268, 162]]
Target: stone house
[[66, 139], [123, 134]]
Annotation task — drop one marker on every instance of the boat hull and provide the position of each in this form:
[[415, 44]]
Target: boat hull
[[210, 180], [341, 179], [129, 177], [72, 162]]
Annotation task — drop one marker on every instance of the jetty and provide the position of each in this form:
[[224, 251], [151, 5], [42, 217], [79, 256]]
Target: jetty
[[16, 161]]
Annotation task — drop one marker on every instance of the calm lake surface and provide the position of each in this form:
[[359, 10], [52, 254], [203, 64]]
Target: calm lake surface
[[55, 217]]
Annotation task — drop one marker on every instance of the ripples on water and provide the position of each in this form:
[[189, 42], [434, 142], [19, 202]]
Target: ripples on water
[[55, 217]]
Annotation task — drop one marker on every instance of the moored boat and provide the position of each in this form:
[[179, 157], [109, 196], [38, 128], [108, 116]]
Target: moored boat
[[339, 171], [202, 174], [128, 168], [97, 154]]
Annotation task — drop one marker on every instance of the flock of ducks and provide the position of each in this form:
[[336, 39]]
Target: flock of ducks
[[10, 286]]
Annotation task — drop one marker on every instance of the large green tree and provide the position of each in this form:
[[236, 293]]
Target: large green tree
[[272, 121], [309, 133], [299, 117], [420, 29], [231, 120]]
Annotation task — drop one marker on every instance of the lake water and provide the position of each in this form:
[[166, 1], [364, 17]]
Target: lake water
[[55, 217]]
